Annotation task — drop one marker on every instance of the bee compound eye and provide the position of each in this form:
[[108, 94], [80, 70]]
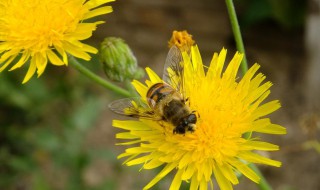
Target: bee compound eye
[[192, 118]]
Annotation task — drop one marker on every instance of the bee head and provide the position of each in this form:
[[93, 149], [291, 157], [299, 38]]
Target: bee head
[[187, 124], [190, 122]]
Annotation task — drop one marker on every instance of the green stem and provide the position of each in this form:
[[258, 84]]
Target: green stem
[[237, 34], [263, 184], [239, 42], [97, 78]]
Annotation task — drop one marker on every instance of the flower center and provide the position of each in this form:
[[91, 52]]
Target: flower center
[[38, 24]]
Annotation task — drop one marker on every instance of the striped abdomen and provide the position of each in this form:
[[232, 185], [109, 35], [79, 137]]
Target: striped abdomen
[[158, 92]]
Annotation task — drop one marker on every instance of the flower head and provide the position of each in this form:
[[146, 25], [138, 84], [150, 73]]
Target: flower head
[[41, 31], [228, 109]]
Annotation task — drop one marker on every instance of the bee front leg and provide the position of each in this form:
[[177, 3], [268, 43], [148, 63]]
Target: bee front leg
[[179, 130], [186, 100]]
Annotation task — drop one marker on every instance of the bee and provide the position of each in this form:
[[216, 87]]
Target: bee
[[164, 102]]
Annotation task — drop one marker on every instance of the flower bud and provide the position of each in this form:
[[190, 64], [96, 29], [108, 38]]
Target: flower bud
[[182, 39], [119, 63]]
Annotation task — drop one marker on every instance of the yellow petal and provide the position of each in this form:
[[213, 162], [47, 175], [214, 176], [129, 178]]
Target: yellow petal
[[189, 171], [25, 56], [213, 64], [140, 88], [203, 184], [130, 125], [97, 12], [197, 61], [168, 168], [5, 56], [266, 109], [139, 160], [227, 171], [89, 49], [258, 92], [138, 150], [221, 179], [31, 71], [96, 3], [154, 163], [207, 170], [258, 145], [153, 76], [7, 63], [219, 66], [62, 52], [272, 129], [41, 62], [176, 182], [245, 170], [233, 67], [76, 51], [185, 160], [194, 183], [250, 73], [256, 158], [129, 143], [256, 81], [54, 59], [83, 31], [125, 135]]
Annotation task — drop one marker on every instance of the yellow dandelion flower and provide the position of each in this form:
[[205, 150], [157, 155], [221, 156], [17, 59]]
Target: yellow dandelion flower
[[228, 108], [36, 32]]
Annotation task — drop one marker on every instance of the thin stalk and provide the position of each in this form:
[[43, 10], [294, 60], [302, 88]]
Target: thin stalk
[[98, 79], [237, 34], [263, 185]]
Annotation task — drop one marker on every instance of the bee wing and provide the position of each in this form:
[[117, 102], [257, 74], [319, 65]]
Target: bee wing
[[133, 107], [173, 69]]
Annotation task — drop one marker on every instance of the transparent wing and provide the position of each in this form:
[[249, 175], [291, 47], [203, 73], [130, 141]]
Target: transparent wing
[[173, 69], [133, 107]]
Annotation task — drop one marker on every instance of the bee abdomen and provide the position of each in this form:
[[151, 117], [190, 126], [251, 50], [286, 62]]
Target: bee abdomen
[[157, 92]]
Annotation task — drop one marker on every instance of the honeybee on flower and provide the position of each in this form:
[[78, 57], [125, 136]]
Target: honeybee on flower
[[163, 102]]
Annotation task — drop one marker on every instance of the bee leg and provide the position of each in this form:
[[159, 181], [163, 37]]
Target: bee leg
[[162, 125], [179, 130], [184, 101]]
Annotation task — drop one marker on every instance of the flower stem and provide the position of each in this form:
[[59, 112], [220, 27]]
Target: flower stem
[[97, 78], [263, 184], [237, 34]]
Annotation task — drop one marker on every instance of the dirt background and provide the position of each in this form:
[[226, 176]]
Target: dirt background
[[289, 58]]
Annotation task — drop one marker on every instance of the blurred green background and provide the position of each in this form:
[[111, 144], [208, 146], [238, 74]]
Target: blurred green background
[[56, 133]]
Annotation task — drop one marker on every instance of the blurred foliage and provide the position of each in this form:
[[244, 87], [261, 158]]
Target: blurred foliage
[[43, 129], [289, 14]]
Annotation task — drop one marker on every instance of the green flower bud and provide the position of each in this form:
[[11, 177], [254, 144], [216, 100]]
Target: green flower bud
[[118, 61]]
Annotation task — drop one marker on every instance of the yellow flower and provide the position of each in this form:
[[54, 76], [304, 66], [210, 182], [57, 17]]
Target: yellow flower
[[36, 32], [228, 109]]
